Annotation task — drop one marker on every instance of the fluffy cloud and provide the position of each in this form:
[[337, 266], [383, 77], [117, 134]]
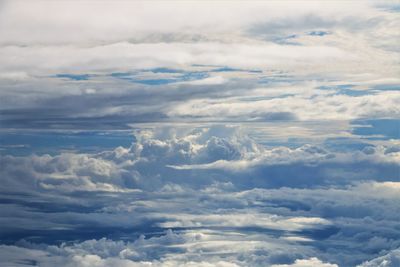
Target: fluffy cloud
[[104, 252], [167, 155], [391, 259], [214, 212], [308, 176]]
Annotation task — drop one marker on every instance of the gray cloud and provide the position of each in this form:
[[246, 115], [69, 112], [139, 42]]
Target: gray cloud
[[126, 192], [263, 135]]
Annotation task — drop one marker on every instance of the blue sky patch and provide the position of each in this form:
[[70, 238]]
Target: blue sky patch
[[75, 77], [26, 143], [179, 76], [318, 33], [388, 128]]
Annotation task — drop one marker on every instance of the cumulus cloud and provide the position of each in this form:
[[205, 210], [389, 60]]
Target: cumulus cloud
[[168, 155], [391, 259], [257, 214], [263, 135], [104, 252]]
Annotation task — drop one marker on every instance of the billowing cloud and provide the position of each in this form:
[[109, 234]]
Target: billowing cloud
[[199, 134], [237, 210], [391, 259]]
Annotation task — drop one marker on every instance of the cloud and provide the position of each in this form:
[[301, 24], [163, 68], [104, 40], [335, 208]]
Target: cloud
[[136, 21], [208, 81], [263, 136], [309, 262], [258, 214], [391, 259], [360, 49], [304, 108], [173, 154], [104, 252]]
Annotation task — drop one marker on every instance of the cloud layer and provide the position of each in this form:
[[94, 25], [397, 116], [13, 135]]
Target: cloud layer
[[199, 134], [204, 196], [222, 64]]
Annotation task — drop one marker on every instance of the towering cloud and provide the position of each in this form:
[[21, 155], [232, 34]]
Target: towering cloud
[[199, 134]]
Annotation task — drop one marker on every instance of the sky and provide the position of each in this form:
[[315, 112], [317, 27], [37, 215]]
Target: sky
[[200, 133]]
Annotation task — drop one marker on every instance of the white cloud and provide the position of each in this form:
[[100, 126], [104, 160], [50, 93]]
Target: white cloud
[[312, 262], [208, 81], [299, 197], [267, 221], [318, 107], [125, 36], [391, 259], [100, 39], [100, 21], [164, 155]]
